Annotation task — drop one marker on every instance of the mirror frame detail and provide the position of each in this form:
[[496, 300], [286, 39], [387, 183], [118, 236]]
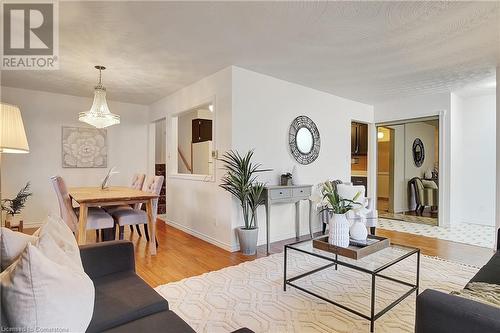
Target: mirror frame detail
[[297, 124]]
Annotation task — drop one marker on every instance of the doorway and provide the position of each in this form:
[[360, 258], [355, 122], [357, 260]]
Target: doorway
[[408, 170], [160, 167], [359, 154]]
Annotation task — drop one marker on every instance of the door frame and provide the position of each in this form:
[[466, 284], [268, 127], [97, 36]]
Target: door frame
[[370, 156], [440, 116]]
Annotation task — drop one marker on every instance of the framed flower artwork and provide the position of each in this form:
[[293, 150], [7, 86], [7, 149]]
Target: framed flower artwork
[[84, 147]]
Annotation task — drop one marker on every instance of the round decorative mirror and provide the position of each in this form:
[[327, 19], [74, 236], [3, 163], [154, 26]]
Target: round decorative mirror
[[304, 141], [418, 152]]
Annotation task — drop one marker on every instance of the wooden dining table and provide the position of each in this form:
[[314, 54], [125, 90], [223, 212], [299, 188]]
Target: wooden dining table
[[116, 195]]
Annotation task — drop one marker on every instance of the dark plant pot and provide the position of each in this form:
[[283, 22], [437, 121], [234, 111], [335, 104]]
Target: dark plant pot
[[248, 240]]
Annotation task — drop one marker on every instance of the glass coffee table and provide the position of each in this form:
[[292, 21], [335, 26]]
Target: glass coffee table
[[374, 265]]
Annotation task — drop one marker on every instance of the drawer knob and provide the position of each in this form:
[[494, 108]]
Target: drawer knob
[[281, 192]]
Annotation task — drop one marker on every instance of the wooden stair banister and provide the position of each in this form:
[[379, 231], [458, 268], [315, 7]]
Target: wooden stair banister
[[184, 161]]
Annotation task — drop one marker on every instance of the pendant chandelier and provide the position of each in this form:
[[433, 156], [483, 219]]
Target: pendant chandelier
[[99, 115]]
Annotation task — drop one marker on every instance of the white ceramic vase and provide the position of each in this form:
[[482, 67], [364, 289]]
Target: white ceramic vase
[[358, 230], [338, 230]]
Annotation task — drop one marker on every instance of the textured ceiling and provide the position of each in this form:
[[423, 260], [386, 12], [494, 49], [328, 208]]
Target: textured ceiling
[[366, 51]]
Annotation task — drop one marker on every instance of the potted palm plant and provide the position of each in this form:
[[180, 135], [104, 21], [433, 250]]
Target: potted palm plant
[[338, 226], [14, 206], [241, 181]]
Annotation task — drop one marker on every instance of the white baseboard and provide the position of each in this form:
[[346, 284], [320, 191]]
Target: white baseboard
[[475, 221], [234, 247], [200, 235], [288, 235]]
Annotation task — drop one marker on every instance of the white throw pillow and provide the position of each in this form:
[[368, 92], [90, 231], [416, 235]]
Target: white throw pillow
[[12, 244], [46, 290], [63, 237]]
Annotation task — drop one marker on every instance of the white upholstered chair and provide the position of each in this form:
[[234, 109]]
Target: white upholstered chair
[[366, 209], [97, 218], [127, 215]]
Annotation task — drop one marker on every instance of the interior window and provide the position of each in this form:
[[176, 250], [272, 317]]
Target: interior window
[[195, 140]]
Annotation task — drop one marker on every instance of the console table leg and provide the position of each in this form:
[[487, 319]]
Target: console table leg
[[297, 219], [311, 218], [268, 216]]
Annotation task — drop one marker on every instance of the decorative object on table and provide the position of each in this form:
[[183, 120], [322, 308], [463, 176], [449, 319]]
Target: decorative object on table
[[105, 181], [355, 249], [13, 208], [84, 147], [338, 233], [12, 135], [286, 179], [241, 181], [366, 210], [304, 140], [358, 230], [418, 152], [99, 115]]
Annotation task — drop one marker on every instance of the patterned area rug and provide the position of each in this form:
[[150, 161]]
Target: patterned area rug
[[473, 234], [409, 218], [251, 294]]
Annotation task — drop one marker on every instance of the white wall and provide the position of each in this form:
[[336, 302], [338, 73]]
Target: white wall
[[160, 148], [263, 109], [184, 139], [400, 184], [474, 160], [424, 106], [44, 114], [195, 204]]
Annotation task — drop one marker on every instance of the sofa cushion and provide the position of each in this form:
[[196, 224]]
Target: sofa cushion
[[57, 230], [123, 297], [489, 273], [165, 321], [12, 245], [43, 289]]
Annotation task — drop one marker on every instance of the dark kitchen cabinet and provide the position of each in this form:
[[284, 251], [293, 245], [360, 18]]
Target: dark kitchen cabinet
[[359, 139], [201, 130]]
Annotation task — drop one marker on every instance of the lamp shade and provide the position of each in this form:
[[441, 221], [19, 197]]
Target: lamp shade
[[12, 134]]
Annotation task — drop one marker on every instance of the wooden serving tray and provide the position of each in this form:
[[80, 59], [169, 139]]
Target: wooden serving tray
[[353, 252]]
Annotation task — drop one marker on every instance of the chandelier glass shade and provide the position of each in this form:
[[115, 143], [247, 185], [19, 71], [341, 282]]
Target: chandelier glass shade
[[99, 114]]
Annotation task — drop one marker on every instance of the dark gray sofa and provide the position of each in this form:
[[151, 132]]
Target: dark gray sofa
[[123, 301], [439, 312]]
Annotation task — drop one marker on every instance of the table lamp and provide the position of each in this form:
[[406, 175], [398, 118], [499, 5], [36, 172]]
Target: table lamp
[[12, 134]]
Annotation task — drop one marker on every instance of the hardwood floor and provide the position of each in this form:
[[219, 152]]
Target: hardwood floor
[[181, 255]]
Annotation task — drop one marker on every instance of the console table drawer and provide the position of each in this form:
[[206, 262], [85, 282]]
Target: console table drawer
[[301, 192], [280, 193]]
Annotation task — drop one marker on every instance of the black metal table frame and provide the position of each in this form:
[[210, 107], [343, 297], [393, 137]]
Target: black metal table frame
[[375, 273]]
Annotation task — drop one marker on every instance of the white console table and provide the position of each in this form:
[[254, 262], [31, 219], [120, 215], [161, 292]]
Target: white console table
[[287, 194]]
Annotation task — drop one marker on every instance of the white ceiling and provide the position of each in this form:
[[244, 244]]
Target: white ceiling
[[366, 51]]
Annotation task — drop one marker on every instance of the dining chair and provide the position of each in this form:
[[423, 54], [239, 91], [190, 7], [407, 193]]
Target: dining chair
[[137, 183], [97, 218], [127, 215]]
